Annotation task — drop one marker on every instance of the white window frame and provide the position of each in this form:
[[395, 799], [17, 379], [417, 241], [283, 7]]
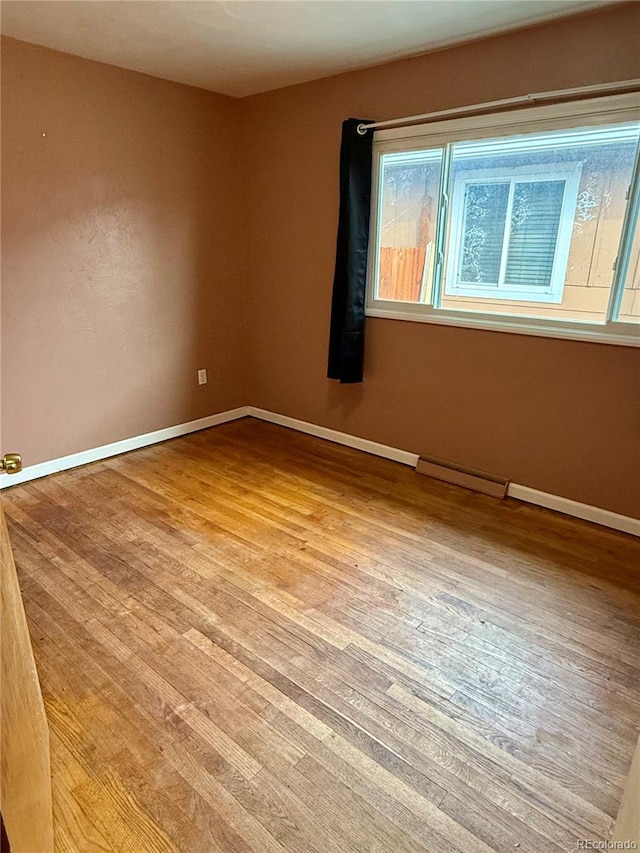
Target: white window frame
[[570, 174], [593, 112]]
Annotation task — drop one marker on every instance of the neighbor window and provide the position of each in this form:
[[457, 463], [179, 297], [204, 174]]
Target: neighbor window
[[522, 222]]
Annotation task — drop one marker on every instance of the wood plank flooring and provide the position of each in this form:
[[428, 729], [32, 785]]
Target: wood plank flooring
[[251, 639]]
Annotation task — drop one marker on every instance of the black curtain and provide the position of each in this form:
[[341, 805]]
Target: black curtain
[[346, 338]]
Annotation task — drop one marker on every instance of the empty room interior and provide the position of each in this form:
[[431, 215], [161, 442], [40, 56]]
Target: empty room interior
[[320, 426]]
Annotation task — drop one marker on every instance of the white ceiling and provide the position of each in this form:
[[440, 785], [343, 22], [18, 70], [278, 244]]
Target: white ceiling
[[241, 47]]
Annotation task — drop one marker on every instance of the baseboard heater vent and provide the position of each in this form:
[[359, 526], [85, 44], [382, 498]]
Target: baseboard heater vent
[[478, 481]]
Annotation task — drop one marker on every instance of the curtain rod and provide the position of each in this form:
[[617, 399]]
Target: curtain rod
[[521, 100]]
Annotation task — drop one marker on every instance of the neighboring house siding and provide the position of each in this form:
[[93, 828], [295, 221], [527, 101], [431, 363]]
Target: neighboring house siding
[[409, 216]]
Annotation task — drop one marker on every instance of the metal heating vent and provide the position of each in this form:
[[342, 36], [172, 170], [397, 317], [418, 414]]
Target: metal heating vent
[[478, 481]]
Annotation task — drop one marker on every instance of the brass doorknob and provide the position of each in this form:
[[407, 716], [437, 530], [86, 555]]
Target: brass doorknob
[[11, 463]]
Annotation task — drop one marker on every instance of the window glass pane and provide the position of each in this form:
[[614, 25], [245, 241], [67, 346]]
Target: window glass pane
[[567, 200], [630, 307], [485, 216], [407, 217], [535, 220]]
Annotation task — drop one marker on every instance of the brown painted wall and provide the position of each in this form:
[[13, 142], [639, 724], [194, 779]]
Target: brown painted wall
[[134, 231], [560, 416], [119, 257]]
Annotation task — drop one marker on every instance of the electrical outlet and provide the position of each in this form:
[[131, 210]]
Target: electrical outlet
[[202, 376]]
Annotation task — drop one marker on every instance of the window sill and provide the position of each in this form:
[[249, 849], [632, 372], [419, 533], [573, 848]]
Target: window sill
[[627, 335]]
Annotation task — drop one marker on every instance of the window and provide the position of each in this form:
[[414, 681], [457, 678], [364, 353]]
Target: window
[[522, 222], [630, 297], [511, 231]]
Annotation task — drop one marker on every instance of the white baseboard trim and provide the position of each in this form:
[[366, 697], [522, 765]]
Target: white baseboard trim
[[63, 463], [524, 493], [402, 456], [578, 510]]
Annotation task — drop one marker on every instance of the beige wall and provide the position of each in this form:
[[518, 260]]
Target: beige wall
[[119, 250], [627, 825], [123, 229], [556, 415]]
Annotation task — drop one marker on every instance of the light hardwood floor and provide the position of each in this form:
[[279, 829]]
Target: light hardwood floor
[[251, 639]]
